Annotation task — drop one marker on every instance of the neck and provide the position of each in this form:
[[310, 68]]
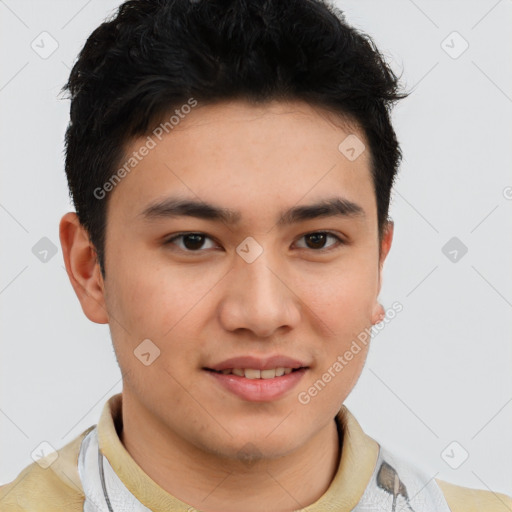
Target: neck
[[212, 483]]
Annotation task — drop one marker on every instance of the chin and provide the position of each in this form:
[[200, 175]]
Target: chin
[[252, 445]]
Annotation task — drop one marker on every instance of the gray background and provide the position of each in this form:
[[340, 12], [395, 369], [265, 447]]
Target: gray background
[[439, 372]]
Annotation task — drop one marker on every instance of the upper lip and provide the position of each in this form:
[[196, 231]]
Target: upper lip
[[256, 363]]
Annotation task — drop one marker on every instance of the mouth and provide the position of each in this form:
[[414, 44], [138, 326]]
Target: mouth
[[253, 373], [254, 385]]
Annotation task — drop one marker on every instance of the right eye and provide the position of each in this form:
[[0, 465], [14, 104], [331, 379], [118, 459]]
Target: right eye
[[190, 242]]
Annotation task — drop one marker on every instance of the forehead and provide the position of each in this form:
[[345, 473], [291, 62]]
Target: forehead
[[247, 157]]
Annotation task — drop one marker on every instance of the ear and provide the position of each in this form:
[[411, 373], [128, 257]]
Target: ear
[[378, 312], [83, 268]]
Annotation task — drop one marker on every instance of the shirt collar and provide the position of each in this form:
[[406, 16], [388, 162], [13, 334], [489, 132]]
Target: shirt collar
[[359, 455]]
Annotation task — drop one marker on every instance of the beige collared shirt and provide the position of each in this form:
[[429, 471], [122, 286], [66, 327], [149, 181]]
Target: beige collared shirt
[[368, 479]]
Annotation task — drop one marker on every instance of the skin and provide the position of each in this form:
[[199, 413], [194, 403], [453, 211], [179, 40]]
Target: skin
[[187, 433]]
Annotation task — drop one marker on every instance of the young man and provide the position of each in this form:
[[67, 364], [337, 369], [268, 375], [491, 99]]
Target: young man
[[231, 165]]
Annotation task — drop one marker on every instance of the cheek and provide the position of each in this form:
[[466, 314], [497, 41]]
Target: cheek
[[332, 381], [167, 306], [342, 298], [151, 300]]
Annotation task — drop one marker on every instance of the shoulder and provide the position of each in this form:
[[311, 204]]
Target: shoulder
[[51, 483], [464, 499], [396, 482]]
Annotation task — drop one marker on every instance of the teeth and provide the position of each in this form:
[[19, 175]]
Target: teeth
[[250, 373]]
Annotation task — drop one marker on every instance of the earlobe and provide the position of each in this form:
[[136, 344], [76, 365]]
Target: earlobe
[[378, 313], [83, 268]]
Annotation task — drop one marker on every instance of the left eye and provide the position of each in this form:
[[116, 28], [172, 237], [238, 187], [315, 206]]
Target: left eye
[[319, 238], [193, 242]]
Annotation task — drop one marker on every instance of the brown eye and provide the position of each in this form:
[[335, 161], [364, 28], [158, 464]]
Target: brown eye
[[193, 241], [190, 242], [317, 240]]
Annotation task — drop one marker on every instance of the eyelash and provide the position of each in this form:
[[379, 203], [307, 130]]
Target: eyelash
[[339, 240]]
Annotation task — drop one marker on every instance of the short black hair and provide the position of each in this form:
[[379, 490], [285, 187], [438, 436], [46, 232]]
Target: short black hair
[[152, 56]]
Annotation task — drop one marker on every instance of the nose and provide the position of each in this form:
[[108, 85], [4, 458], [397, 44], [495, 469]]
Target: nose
[[259, 299]]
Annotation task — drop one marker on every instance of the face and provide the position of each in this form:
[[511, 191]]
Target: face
[[263, 279]]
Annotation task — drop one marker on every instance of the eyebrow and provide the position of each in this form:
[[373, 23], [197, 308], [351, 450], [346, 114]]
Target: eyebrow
[[179, 207]]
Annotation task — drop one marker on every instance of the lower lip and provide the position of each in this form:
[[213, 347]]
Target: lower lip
[[259, 390]]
